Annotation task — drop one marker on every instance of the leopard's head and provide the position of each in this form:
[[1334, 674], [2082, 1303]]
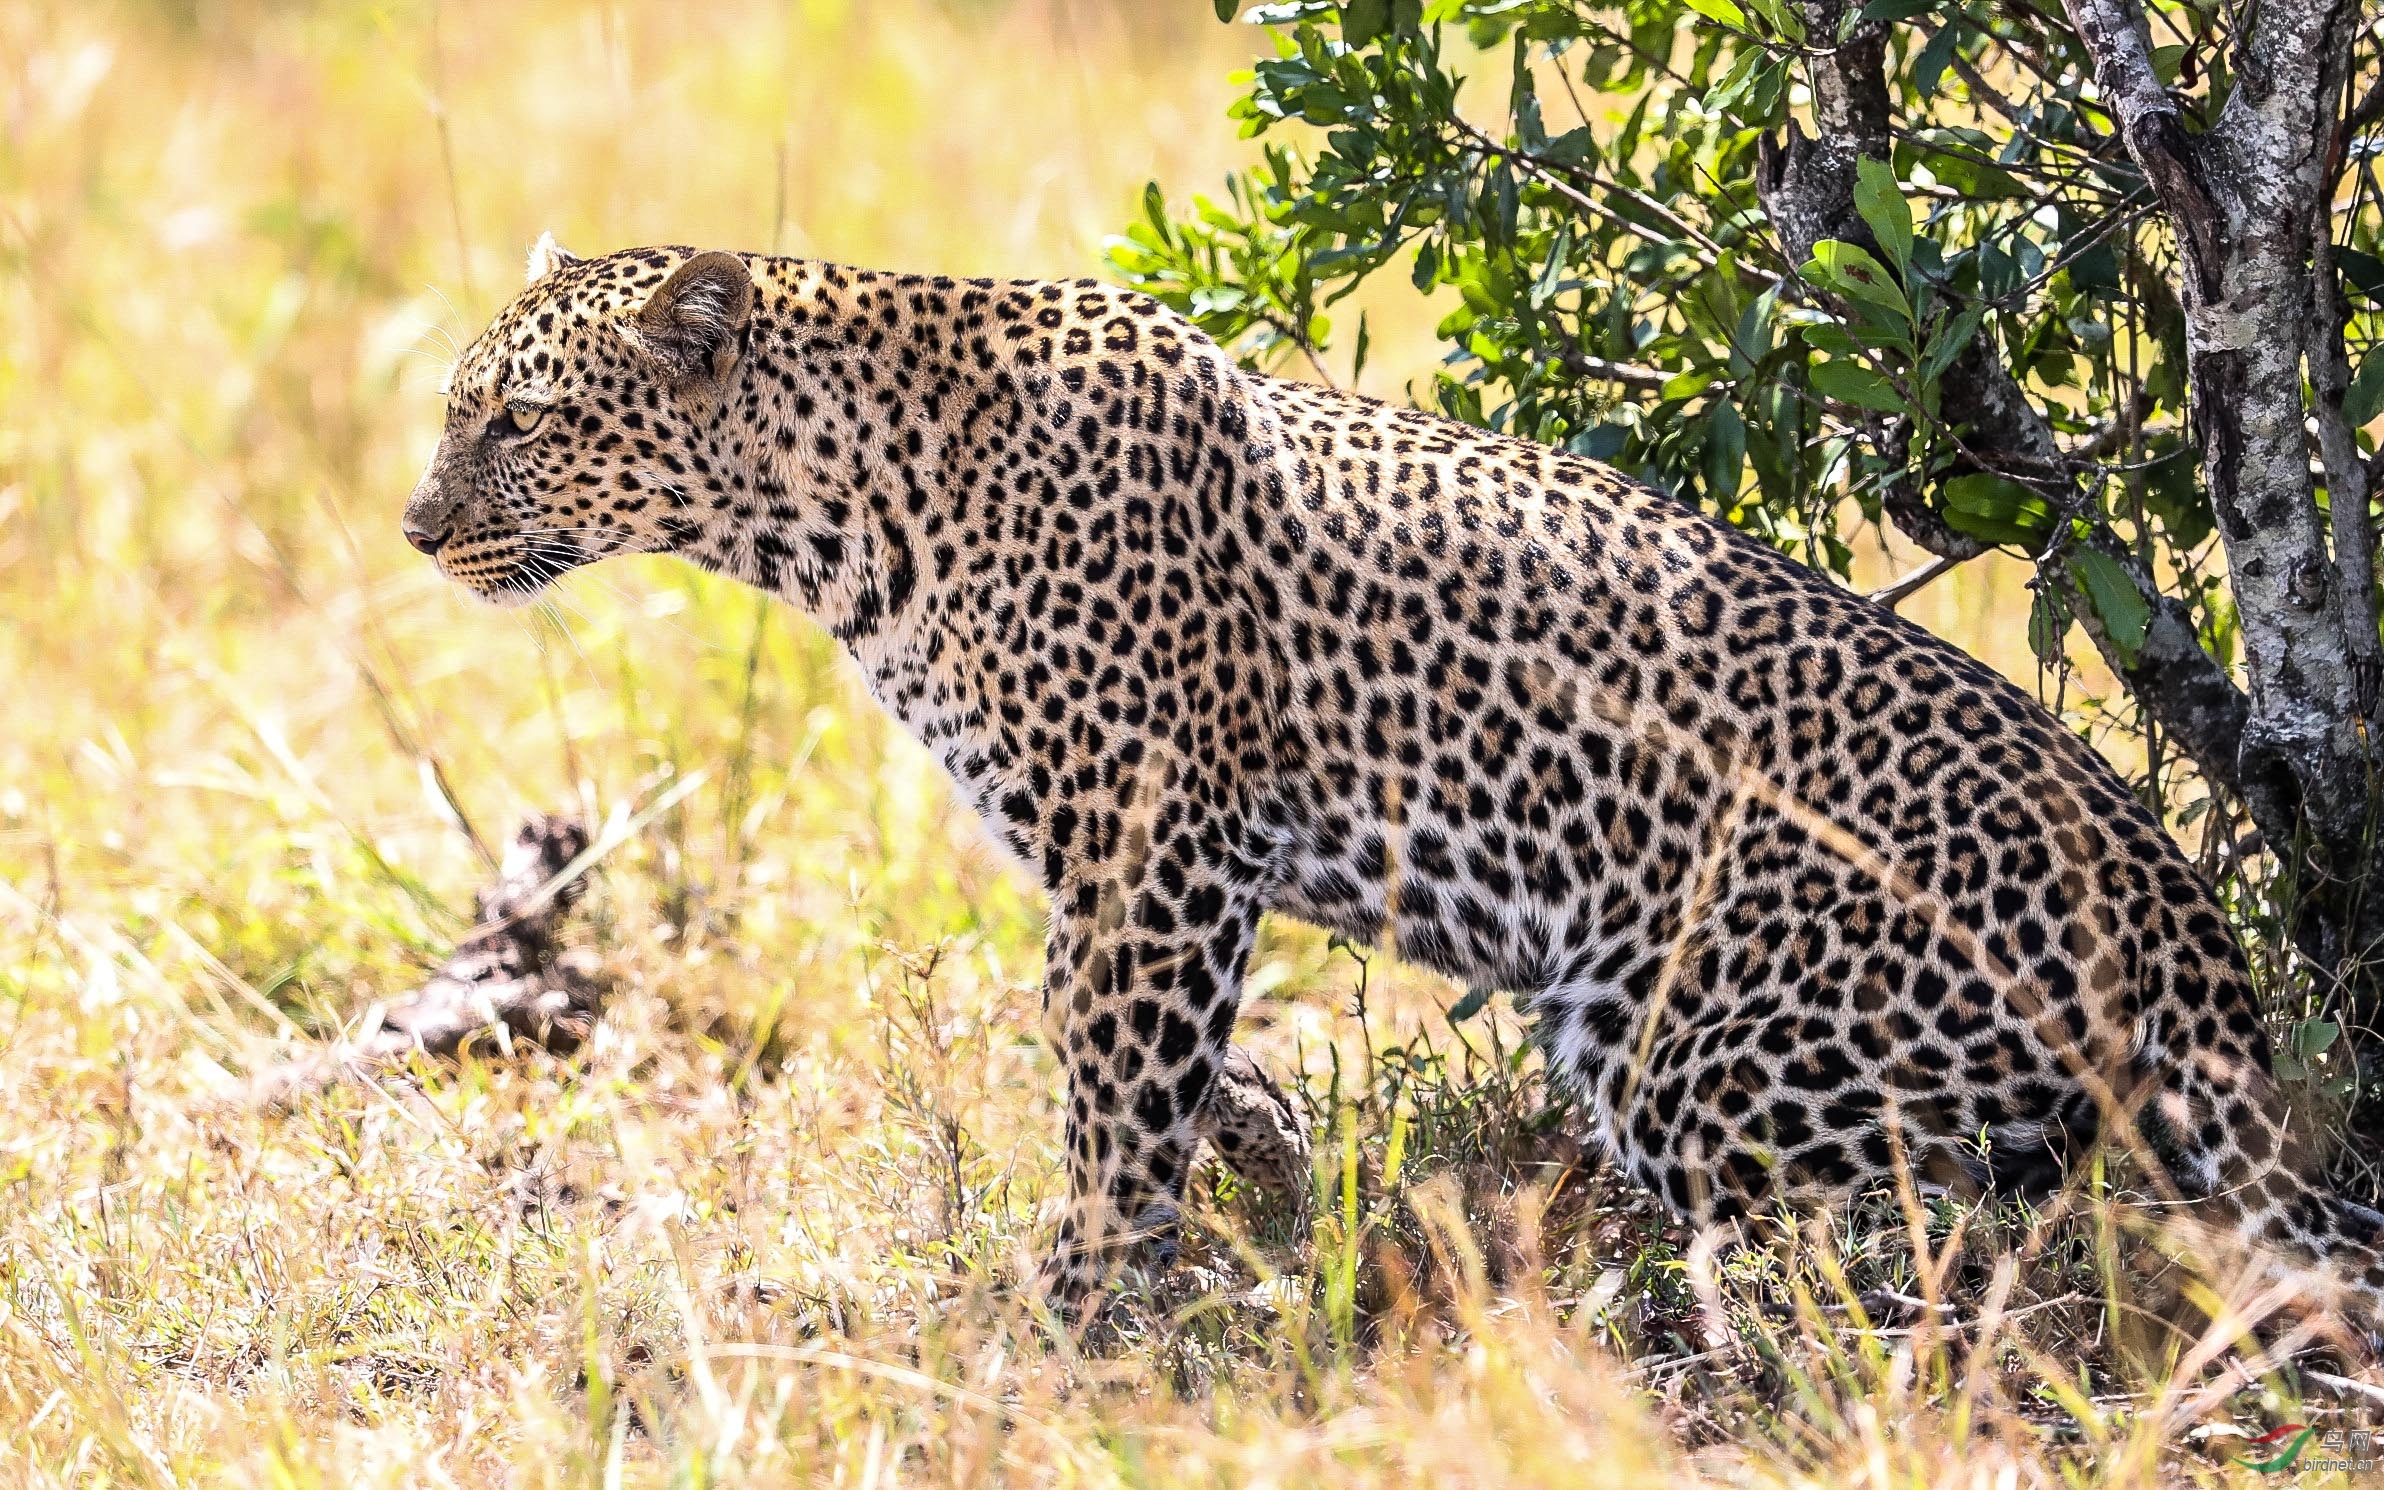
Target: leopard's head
[[575, 420]]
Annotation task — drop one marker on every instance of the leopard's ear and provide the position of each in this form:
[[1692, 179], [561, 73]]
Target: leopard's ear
[[546, 256], [695, 324]]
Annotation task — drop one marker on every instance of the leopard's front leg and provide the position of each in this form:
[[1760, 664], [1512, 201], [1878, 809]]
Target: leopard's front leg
[[1142, 982]]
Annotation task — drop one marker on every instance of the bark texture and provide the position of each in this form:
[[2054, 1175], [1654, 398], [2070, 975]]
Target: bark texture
[[1807, 187], [2249, 202]]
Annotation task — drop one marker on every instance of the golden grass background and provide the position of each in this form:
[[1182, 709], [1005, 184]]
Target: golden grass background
[[760, 1233]]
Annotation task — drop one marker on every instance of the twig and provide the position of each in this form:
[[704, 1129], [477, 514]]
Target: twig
[[1555, 178], [2344, 1384], [1904, 589], [1674, 1363], [2117, 430], [1629, 374], [1981, 90]]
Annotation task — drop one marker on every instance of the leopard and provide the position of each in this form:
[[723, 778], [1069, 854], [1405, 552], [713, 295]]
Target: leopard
[[1799, 900]]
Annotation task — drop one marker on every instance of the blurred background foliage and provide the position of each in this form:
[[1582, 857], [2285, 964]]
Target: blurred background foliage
[[239, 243]]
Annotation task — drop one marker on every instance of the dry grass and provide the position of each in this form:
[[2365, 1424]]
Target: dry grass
[[761, 1231]]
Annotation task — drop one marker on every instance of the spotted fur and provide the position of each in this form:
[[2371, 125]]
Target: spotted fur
[[1799, 897]]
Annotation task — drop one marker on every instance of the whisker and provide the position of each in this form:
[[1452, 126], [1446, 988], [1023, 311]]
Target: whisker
[[574, 532], [551, 607], [443, 300], [562, 541], [453, 352], [635, 602], [545, 557]]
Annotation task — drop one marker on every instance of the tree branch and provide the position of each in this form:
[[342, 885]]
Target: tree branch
[[2348, 488], [2115, 433], [2249, 200], [2172, 676], [2147, 118], [1554, 177], [1628, 374], [1912, 584], [1807, 190]]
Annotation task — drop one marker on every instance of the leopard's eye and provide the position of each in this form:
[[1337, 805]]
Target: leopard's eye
[[519, 420]]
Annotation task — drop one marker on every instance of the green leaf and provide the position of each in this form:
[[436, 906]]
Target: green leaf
[[1725, 452], [2364, 399], [1853, 383], [2312, 1037], [1782, 20], [1848, 270], [2096, 272], [1752, 340], [2305, 1042], [1474, 1001], [2363, 272], [1724, 11], [1986, 495], [1948, 340], [2115, 599], [1995, 509], [2173, 495], [1724, 96], [1600, 441], [1820, 330], [1571, 148], [1363, 20], [1976, 178], [1763, 99], [1881, 202], [1227, 9], [1832, 338], [1928, 69], [1897, 10]]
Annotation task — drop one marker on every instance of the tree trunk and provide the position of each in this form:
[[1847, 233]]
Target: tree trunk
[[2250, 204], [1807, 187], [2249, 201]]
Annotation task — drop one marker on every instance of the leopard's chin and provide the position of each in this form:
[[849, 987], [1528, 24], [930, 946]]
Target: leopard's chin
[[511, 594], [508, 586]]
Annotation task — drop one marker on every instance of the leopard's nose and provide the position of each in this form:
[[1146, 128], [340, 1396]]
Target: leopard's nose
[[423, 538]]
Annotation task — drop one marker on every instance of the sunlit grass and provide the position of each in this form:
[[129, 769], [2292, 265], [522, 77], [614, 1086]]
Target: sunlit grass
[[765, 1229]]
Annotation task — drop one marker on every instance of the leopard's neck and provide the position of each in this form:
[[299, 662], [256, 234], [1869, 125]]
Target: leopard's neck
[[826, 469], [931, 467]]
